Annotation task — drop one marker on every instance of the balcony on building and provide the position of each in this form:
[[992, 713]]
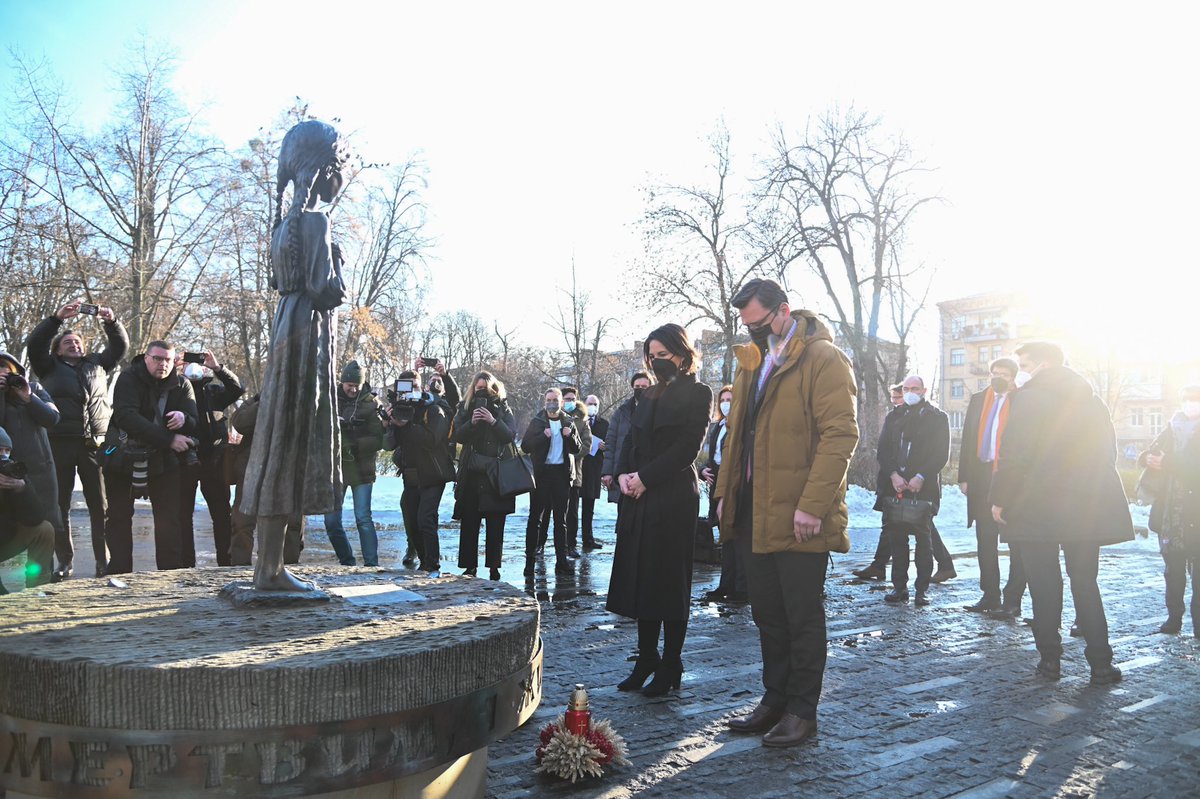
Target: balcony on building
[[995, 332]]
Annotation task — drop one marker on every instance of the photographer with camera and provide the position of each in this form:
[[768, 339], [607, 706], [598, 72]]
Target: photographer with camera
[[484, 427], [362, 438], [23, 524], [418, 429], [26, 412], [440, 383], [78, 383], [149, 442], [216, 388]]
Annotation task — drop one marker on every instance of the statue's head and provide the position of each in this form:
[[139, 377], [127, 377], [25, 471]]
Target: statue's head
[[315, 159]]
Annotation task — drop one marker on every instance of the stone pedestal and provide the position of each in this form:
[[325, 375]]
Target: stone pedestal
[[393, 688]]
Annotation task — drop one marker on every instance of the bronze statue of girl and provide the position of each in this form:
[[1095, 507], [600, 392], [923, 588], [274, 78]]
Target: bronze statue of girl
[[294, 463]]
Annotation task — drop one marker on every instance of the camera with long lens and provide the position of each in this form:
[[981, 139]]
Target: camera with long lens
[[15, 380], [13, 469], [405, 397]]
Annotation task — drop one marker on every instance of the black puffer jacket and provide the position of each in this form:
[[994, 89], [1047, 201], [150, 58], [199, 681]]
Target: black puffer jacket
[[213, 396], [80, 391], [423, 446], [135, 412]]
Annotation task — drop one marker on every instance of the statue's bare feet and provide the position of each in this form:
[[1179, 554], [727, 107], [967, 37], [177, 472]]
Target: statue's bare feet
[[282, 581]]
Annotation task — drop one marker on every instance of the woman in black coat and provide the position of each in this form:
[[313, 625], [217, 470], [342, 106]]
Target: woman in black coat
[[652, 565], [484, 427]]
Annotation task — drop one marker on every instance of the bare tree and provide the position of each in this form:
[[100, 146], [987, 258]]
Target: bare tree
[[147, 188], [582, 337], [700, 248], [846, 191]]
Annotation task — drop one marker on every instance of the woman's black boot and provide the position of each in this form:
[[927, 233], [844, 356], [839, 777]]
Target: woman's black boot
[[668, 675], [645, 666]]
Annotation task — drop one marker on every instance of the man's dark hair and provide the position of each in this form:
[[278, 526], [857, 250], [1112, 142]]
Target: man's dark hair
[[407, 374], [1005, 363], [58, 340], [768, 293], [639, 376], [570, 390], [1043, 352], [164, 345]]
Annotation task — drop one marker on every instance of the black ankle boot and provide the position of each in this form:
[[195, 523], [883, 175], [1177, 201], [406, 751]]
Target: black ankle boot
[[645, 666], [668, 675]]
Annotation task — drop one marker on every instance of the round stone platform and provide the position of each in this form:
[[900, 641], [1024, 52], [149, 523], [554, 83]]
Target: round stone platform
[[162, 687]]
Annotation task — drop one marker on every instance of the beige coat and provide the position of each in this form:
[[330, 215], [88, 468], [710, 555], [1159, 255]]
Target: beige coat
[[804, 435]]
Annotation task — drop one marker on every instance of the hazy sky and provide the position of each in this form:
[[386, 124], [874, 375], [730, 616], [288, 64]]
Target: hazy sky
[[1060, 131]]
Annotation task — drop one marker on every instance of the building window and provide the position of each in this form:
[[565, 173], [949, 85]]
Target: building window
[[997, 352], [1155, 418], [957, 323], [958, 356], [956, 420], [957, 389], [983, 354], [1135, 418], [981, 384]]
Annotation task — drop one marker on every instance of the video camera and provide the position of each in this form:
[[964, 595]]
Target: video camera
[[405, 397]]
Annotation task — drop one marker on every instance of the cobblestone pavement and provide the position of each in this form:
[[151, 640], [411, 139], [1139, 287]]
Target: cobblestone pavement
[[929, 702]]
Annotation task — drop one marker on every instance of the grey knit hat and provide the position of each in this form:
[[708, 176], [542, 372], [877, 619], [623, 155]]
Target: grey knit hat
[[353, 373]]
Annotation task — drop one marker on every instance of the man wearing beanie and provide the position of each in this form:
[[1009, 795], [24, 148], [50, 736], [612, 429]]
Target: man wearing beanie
[[23, 524], [362, 438]]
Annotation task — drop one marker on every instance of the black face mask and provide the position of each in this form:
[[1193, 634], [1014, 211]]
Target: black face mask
[[999, 385], [665, 370], [760, 335], [638, 393]]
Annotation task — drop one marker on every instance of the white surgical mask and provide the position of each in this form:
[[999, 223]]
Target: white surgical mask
[[1022, 378], [1191, 409], [414, 395], [593, 410], [725, 408], [911, 398], [193, 371]]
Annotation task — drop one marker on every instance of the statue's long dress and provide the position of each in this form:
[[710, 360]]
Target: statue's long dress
[[294, 463]]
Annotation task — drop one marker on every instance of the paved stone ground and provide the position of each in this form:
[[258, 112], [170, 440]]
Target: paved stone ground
[[929, 702]]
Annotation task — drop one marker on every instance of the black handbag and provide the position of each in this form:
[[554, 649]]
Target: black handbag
[[909, 515], [512, 473]]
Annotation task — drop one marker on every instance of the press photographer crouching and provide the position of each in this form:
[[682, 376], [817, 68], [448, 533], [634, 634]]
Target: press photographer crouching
[[418, 429], [216, 388], [149, 441], [23, 524]]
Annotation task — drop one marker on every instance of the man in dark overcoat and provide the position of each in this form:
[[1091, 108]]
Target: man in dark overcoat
[[1056, 485]]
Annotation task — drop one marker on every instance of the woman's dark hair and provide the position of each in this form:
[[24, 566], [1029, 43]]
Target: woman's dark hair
[[676, 340], [640, 376]]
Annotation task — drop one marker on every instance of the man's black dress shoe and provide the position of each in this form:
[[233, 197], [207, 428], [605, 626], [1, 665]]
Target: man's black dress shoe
[[761, 719]]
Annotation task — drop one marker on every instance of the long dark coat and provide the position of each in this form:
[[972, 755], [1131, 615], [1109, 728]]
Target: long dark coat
[[652, 565], [474, 493], [618, 431], [1175, 513], [1056, 477], [27, 425], [593, 464], [294, 461]]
